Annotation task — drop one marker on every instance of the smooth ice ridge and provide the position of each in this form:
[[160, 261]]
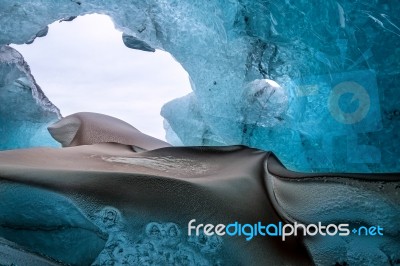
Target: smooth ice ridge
[[25, 111], [315, 83]]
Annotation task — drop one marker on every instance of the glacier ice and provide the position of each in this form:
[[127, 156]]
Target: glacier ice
[[53, 220], [104, 204], [135, 43], [158, 243], [25, 111], [336, 64]]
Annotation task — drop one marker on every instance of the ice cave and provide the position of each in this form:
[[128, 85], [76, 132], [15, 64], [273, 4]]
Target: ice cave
[[314, 83], [278, 88]]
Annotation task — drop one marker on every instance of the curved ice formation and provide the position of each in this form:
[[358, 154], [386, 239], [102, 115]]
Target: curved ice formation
[[104, 204], [48, 224], [87, 128], [358, 200], [25, 111], [228, 46]]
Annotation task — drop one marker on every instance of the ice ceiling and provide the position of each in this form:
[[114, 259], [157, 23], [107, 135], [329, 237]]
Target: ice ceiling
[[314, 81]]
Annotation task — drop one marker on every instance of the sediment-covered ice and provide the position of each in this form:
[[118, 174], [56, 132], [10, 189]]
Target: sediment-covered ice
[[104, 204]]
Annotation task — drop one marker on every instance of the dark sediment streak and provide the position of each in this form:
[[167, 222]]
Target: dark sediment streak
[[211, 185]]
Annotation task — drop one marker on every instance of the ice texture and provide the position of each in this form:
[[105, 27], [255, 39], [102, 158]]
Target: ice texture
[[49, 224], [334, 66], [326, 200], [106, 205], [156, 244], [25, 111]]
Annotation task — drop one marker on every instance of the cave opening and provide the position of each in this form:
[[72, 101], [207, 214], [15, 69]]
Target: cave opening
[[339, 68], [82, 65]]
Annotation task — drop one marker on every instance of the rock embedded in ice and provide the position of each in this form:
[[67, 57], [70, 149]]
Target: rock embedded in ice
[[265, 102], [135, 43]]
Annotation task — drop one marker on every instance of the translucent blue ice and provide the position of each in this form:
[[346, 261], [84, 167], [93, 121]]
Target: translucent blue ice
[[48, 224], [157, 244], [25, 111], [334, 104]]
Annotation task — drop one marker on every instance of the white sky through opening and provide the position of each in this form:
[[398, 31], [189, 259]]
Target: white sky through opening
[[83, 65]]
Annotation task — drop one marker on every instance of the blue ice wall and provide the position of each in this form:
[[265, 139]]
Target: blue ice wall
[[24, 109], [314, 81]]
